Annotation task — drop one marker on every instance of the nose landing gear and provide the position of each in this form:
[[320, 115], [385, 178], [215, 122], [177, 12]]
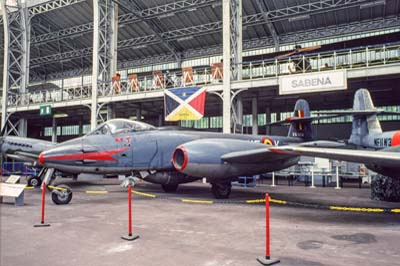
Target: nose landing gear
[[61, 195], [221, 190]]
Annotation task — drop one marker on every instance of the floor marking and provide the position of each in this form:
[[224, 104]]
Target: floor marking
[[198, 201]]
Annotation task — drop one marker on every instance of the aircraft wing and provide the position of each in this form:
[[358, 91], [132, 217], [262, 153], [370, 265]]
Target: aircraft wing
[[381, 158], [259, 155], [253, 156]]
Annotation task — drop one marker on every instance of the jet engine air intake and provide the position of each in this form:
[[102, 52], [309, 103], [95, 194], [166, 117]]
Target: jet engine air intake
[[180, 158]]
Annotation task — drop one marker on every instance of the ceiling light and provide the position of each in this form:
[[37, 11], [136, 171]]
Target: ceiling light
[[298, 18], [139, 46], [217, 4], [166, 15], [185, 38], [60, 115], [373, 4]]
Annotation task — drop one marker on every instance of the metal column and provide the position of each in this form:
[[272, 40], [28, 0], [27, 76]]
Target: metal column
[[232, 54], [54, 131], [238, 114], [16, 56], [139, 113], [104, 51], [226, 40], [254, 109], [236, 39], [110, 111], [268, 120]]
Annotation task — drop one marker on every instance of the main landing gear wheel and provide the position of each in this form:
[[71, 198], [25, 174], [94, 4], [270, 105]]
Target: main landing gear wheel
[[221, 190], [169, 188], [61, 196], [34, 181]]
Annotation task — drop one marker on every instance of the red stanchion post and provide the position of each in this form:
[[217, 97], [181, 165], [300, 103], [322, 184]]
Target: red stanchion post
[[130, 211], [42, 223], [267, 259], [130, 236]]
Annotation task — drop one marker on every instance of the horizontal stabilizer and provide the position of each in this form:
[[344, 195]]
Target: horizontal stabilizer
[[358, 112], [308, 119]]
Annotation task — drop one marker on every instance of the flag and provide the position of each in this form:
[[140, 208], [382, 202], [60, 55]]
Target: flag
[[184, 103]]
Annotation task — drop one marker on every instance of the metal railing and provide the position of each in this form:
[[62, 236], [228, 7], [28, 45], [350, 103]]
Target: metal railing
[[50, 96], [313, 62]]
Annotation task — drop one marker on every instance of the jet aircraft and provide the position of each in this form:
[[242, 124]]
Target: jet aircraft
[[368, 144], [171, 157]]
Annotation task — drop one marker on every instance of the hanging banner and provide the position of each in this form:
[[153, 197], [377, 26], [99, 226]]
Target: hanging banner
[[313, 82], [184, 103]]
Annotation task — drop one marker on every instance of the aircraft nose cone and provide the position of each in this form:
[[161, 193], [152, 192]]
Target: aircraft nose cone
[[41, 159]]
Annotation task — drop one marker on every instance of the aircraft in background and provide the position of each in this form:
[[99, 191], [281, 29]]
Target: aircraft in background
[[368, 144], [25, 150]]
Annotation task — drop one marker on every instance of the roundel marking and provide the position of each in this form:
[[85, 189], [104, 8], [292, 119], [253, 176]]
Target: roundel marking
[[396, 139], [268, 141]]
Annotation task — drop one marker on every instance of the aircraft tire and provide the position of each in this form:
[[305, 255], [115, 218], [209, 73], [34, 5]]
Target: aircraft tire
[[170, 188], [61, 197], [34, 181], [221, 190]]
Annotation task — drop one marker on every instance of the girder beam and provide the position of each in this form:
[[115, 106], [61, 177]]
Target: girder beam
[[324, 32], [268, 22], [152, 12], [135, 9], [312, 8], [51, 5], [268, 17]]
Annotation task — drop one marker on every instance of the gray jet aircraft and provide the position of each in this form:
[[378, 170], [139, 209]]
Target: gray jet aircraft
[[172, 157]]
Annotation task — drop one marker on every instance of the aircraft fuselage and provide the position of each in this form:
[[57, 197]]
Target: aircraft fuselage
[[152, 150]]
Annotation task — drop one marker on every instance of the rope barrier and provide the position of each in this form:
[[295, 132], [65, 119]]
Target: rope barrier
[[249, 201]]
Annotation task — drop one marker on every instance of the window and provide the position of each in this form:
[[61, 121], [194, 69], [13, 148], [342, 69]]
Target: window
[[216, 122]]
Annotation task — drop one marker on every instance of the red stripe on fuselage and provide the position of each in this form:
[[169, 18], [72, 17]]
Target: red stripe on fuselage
[[95, 156], [396, 139]]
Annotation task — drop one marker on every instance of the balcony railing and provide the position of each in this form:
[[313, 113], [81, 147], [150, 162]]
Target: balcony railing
[[134, 84]]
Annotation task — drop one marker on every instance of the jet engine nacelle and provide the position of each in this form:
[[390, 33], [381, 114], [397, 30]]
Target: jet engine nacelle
[[202, 158], [169, 178]]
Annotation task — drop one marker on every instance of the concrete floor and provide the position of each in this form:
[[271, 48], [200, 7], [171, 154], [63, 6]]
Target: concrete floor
[[88, 231]]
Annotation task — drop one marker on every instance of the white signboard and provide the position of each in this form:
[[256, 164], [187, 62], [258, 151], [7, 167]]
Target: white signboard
[[312, 82]]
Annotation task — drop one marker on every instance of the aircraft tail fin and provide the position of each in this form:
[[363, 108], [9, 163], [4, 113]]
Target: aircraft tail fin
[[301, 121], [363, 124]]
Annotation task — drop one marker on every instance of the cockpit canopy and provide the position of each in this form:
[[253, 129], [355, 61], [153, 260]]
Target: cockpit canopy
[[114, 126]]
